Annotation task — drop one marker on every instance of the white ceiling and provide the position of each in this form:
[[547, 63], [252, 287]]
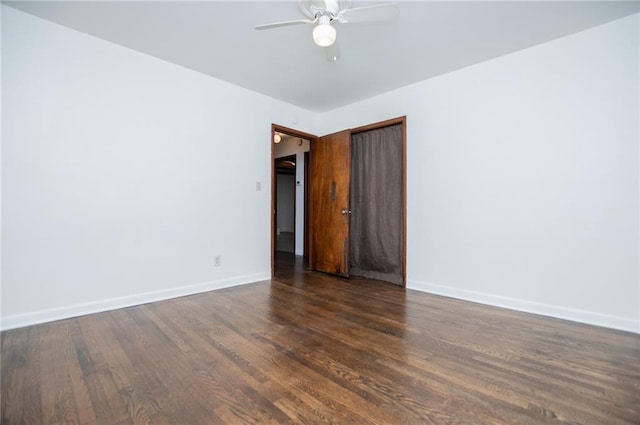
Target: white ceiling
[[429, 38]]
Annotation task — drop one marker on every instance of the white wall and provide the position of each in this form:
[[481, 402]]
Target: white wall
[[286, 190], [523, 177], [118, 183], [289, 146]]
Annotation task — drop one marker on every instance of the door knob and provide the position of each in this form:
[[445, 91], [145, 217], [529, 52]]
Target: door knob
[[346, 211]]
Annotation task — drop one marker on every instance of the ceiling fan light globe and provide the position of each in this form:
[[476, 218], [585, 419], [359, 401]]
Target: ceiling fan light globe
[[324, 35]]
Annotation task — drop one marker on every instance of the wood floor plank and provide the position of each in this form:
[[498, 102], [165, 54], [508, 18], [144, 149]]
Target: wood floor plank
[[74, 375], [311, 348], [58, 401], [13, 374], [96, 363], [32, 400]]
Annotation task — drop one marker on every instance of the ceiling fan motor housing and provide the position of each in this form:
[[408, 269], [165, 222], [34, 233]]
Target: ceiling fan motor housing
[[316, 8], [323, 12]]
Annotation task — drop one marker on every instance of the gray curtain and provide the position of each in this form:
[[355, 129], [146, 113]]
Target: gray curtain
[[376, 204]]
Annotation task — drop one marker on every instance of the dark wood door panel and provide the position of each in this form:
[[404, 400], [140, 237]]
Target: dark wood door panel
[[331, 178]]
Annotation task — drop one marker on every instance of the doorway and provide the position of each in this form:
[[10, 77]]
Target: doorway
[[289, 188], [285, 203]]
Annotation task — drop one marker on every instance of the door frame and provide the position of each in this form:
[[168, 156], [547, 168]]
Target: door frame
[[295, 133]]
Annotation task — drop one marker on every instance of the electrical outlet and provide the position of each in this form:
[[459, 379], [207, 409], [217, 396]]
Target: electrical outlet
[[217, 260]]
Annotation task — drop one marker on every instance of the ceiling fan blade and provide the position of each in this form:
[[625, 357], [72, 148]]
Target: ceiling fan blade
[[382, 12], [332, 52], [284, 24]]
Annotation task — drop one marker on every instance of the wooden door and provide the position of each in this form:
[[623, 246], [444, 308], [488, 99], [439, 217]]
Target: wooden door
[[330, 181]]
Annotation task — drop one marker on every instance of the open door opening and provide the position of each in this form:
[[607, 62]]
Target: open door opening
[[289, 189], [285, 204]]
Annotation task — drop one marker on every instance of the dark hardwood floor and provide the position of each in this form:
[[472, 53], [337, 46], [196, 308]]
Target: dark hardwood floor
[[309, 348]]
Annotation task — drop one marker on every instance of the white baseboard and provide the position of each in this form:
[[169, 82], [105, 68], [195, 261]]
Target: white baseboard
[[50, 315], [559, 312]]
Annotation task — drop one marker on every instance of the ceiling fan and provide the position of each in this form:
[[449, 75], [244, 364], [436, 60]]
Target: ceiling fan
[[324, 12]]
